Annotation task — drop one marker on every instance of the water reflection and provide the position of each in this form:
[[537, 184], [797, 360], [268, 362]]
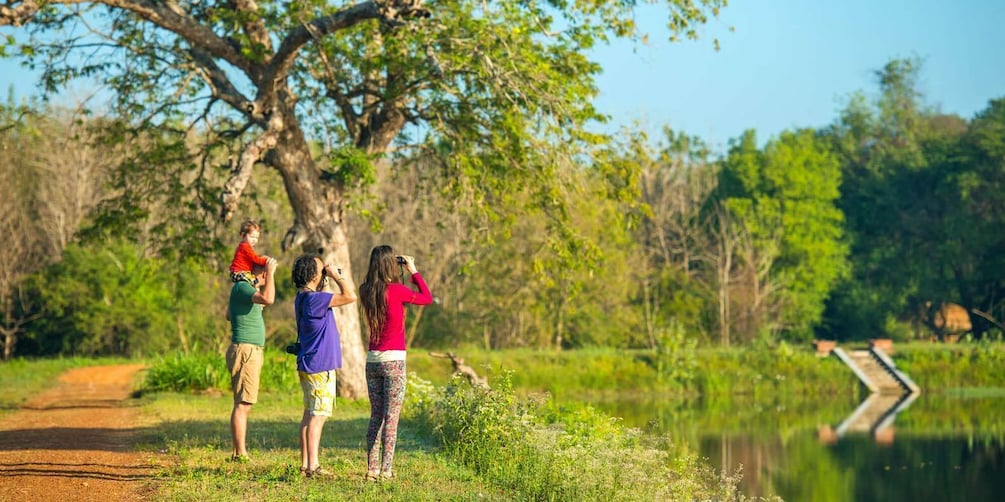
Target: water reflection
[[947, 447], [874, 417]]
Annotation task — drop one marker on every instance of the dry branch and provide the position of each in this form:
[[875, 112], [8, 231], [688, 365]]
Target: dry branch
[[463, 369]]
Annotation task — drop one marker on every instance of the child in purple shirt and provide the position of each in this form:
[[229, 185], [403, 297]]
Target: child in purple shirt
[[320, 352]]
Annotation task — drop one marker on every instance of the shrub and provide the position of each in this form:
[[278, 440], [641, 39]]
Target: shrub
[[558, 455], [187, 372], [200, 371]]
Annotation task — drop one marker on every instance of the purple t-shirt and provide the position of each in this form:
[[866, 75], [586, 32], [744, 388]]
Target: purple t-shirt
[[320, 346]]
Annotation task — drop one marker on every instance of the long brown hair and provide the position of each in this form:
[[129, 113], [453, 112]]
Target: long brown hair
[[373, 292]]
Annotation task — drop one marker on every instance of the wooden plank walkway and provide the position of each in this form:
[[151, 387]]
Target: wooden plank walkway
[[891, 391]]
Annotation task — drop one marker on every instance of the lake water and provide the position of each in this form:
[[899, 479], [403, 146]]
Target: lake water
[[936, 447]]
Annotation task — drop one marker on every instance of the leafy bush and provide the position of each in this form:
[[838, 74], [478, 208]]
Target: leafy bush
[[200, 371], [188, 372], [110, 298], [554, 455]]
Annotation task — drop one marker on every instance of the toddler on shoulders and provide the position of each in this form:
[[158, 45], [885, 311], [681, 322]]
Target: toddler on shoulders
[[245, 256]]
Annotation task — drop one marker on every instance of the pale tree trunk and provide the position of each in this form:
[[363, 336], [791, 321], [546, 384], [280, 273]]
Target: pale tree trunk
[[726, 241], [320, 227]]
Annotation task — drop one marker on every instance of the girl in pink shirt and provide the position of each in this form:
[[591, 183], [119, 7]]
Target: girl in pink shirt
[[383, 300]]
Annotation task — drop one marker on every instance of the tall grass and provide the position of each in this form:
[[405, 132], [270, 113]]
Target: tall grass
[[543, 454], [761, 372], [196, 371]]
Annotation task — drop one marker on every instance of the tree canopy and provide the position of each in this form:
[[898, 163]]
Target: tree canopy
[[495, 95]]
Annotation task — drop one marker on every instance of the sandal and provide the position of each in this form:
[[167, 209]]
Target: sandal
[[372, 476], [319, 472]]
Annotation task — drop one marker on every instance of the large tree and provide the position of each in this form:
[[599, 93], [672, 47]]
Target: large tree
[[498, 92], [793, 250]]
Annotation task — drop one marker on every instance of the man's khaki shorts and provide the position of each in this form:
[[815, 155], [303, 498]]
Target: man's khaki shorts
[[245, 361], [319, 392]]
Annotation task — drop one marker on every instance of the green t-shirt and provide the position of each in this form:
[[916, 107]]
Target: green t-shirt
[[246, 323]]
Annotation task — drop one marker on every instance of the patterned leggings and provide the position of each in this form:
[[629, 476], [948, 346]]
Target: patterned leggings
[[385, 382]]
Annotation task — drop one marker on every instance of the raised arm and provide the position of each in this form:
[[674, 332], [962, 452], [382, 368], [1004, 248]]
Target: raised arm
[[423, 296], [345, 295], [268, 295]]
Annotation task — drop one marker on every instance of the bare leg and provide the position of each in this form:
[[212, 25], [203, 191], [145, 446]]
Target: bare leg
[[314, 426], [239, 428], [304, 457]]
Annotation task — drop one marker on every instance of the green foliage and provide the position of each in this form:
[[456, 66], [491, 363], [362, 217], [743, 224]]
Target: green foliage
[[784, 199], [112, 299], [919, 193], [675, 355], [187, 372], [960, 366], [531, 450], [351, 167], [203, 371]]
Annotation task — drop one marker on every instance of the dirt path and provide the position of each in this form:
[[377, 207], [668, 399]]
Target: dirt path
[[76, 441]]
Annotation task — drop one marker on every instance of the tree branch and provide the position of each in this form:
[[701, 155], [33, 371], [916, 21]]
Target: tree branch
[[460, 368], [349, 115], [218, 82], [253, 26], [241, 173], [165, 14], [280, 64]]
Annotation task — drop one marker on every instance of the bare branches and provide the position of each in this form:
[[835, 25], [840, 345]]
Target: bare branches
[[220, 85], [241, 172], [321, 27]]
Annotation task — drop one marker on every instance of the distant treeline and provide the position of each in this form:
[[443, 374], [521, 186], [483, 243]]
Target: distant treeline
[[847, 232]]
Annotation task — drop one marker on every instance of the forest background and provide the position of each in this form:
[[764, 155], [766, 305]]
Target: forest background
[[843, 232]]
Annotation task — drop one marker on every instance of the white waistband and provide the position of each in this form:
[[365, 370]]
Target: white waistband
[[383, 356]]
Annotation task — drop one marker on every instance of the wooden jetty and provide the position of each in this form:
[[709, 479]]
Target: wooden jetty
[[892, 391]]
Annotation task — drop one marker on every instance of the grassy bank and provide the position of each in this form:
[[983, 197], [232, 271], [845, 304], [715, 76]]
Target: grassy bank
[[455, 443], [763, 373], [461, 443]]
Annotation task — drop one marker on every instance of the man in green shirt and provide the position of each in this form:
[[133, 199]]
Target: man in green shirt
[[245, 355]]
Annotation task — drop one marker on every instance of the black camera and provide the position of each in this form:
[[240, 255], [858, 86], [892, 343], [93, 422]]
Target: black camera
[[401, 260], [293, 348]]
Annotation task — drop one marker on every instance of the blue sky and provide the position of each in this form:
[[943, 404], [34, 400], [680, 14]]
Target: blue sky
[[794, 63], [789, 63]]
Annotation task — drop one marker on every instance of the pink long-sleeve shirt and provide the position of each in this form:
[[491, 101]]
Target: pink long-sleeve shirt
[[393, 335]]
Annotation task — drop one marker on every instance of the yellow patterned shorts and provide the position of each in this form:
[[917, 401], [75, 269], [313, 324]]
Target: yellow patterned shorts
[[319, 392]]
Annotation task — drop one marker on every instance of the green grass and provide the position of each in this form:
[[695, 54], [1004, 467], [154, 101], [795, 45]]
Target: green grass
[[462, 445], [194, 429]]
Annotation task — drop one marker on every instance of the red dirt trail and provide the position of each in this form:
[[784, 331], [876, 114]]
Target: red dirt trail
[[76, 442]]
